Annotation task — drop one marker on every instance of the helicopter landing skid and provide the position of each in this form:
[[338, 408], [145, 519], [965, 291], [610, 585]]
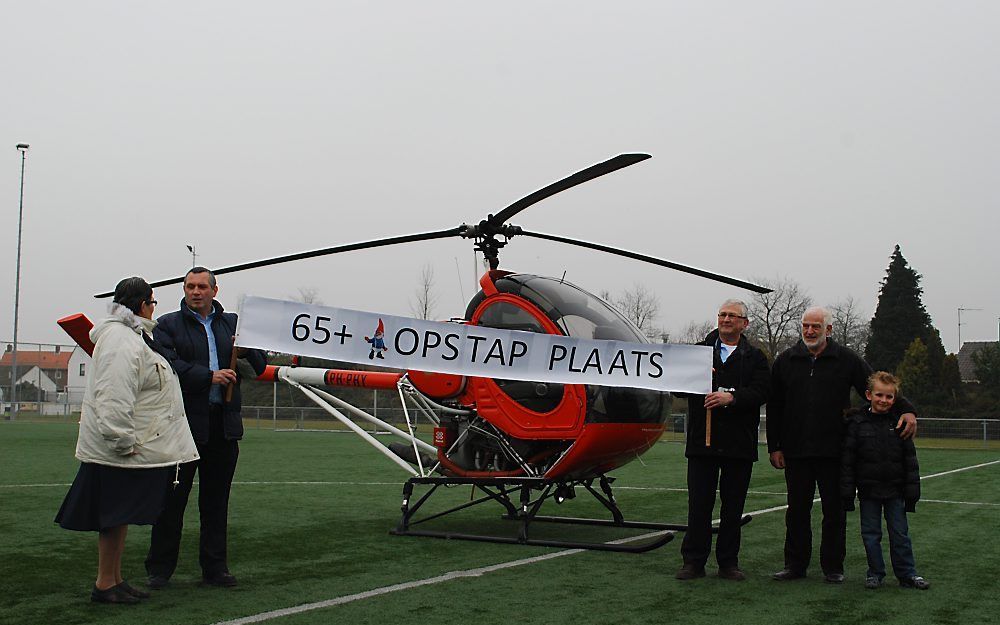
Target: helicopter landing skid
[[508, 490]]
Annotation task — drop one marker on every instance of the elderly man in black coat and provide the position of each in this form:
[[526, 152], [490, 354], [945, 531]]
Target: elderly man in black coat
[[722, 448], [811, 384]]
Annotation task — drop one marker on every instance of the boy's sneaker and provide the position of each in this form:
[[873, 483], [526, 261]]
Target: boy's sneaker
[[873, 583], [915, 582]]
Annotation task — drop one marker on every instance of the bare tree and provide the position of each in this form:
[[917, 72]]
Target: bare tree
[[640, 306], [849, 325], [775, 316], [307, 295], [695, 332], [424, 298]]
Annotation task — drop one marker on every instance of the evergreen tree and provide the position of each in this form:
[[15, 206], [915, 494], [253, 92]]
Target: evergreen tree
[[914, 372], [900, 317]]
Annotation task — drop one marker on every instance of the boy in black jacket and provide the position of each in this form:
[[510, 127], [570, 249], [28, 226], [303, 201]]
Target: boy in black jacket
[[882, 467]]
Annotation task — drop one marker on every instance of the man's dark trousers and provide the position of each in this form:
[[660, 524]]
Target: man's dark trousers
[[802, 475], [732, 477], [215, 477]]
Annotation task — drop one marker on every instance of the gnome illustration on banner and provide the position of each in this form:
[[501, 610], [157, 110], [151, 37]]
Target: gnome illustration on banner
[[378, 345]]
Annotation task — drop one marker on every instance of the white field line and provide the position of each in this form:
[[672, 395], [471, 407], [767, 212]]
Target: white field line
[[666, 489], [67, 485], [975, 466], [959, 503], [477, 572], [400, 484], [239, 483]]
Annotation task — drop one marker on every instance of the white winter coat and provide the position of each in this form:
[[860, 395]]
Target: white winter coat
[[133, 412]]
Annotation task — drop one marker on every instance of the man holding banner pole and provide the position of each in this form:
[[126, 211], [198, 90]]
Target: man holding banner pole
[[198, 342], [721, 458]]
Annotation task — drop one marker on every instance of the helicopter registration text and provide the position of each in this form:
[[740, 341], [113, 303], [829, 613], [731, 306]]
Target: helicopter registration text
[[415, 344]]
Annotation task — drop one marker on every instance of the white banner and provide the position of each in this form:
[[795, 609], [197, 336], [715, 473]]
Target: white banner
[[404, 343]]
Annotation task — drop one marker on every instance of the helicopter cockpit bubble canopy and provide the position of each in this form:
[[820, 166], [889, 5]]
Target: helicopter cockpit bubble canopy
[[548, 305]]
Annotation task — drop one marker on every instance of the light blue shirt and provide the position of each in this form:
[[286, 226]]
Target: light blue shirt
[[725, 350], [215, 394]]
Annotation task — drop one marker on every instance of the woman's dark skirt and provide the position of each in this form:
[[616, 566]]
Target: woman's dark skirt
[[103, 497]]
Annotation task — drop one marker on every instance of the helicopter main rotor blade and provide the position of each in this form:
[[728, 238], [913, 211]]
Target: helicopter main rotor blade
[[651, 259], [349, 247], [594, 171]]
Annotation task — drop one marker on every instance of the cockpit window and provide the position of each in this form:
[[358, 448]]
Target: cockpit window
[[582, 315], [507, 316], [576, 312]]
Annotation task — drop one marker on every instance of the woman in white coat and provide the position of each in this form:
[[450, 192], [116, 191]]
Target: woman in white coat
[[133, 437]]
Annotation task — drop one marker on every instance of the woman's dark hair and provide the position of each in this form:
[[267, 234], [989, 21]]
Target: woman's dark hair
[[132, 292]]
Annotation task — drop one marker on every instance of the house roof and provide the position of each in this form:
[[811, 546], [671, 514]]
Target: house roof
[[966, 366], [42, 360]]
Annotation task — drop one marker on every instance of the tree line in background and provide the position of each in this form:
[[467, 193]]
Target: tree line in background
[[899, 337]]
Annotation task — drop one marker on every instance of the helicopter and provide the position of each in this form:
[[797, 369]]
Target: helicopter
[[520, 443]]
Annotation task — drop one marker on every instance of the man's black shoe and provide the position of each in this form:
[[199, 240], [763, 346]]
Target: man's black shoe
[[833, 578], [115, 594], [915, 582], [690, 571], [157, 582], [785, 575], [733, 573], [225, 579]]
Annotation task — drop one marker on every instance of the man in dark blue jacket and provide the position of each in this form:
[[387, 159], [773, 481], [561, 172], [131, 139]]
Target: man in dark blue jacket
[[721, 453], [198, 341]]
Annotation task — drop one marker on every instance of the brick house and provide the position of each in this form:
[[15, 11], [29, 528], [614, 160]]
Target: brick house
[[48, 369]]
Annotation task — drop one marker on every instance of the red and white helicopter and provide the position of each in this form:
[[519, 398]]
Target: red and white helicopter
[[520, 443]]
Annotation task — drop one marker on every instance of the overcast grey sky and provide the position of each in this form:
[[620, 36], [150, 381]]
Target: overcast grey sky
[[799, 139]]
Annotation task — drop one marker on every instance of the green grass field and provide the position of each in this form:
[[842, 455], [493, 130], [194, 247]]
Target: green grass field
[[309, 523]]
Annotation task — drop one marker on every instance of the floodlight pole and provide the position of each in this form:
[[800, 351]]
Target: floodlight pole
[[960, 311], [23, 149], [194, 255]]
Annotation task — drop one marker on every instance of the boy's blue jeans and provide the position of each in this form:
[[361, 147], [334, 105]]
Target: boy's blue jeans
[[900, 547]]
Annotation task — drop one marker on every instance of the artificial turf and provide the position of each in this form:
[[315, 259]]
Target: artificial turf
[[309, 522]]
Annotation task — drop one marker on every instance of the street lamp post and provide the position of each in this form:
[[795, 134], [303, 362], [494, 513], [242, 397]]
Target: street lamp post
[[194, 255], [23, 149]]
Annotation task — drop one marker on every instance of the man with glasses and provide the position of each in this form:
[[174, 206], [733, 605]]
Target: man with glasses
[[722, 444], [811, 386], [199, 341]]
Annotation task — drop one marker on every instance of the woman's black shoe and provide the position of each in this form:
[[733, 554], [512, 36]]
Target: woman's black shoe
[[115, 594]]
